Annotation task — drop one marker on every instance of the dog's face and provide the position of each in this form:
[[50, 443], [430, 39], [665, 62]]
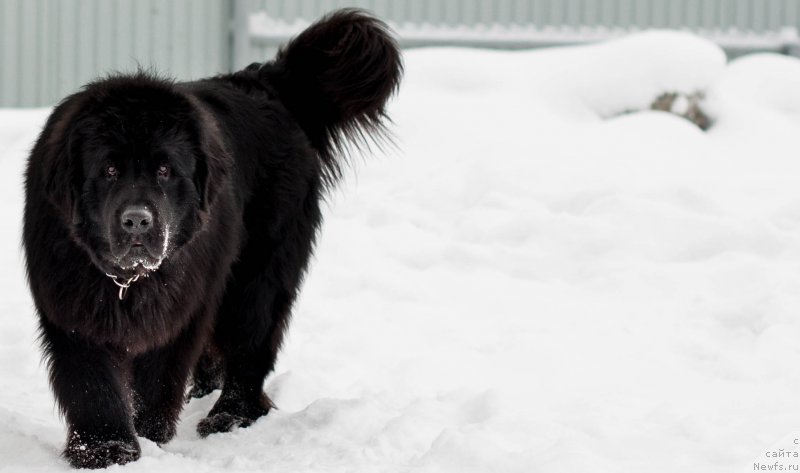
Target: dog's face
[[139, 178]]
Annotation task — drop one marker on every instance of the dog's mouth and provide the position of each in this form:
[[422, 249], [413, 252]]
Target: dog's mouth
[[138, 256], [139, 260]]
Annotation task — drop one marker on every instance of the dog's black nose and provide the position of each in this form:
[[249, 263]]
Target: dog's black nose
[[136, 219]]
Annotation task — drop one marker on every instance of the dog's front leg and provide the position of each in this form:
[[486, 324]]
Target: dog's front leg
[[89, 385]]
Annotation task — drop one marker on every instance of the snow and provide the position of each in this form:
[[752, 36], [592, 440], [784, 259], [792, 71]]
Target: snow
[[541, 277]]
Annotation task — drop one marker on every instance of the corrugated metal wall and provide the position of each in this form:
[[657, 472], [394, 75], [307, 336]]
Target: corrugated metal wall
[[49, 47], [740, 26], [750, 15]]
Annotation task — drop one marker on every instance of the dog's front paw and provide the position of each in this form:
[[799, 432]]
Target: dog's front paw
[[86, 451]]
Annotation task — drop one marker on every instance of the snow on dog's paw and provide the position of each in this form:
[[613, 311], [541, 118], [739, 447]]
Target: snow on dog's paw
[[87, 452]]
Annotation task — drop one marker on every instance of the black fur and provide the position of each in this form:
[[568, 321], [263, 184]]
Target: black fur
[[209, 192]]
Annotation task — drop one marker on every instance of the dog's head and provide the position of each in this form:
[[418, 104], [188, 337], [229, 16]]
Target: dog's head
[[134, 166], [133, 162]]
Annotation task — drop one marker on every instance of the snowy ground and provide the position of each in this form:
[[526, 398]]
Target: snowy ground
[[532, 282]]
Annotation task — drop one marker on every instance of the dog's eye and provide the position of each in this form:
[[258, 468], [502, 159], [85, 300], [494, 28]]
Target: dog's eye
[[163, 171], [111, 171]]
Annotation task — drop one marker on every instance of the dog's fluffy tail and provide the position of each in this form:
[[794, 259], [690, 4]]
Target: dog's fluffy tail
[[335, 78]]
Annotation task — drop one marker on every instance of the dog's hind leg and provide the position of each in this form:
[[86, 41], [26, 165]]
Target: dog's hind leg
[[258, 300], [250, 346]]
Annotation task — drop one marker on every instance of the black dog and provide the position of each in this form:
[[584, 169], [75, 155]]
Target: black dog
[[167, 220]]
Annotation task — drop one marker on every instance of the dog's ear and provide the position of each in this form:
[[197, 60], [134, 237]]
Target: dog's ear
[[55, 150], [336, 77], [211, 171], [214, 160]]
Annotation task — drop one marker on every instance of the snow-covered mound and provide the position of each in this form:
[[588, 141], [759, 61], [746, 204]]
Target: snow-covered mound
[[528, 283]]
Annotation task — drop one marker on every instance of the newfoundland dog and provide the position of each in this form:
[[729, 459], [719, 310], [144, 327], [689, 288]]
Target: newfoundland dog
[[168, 226]]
